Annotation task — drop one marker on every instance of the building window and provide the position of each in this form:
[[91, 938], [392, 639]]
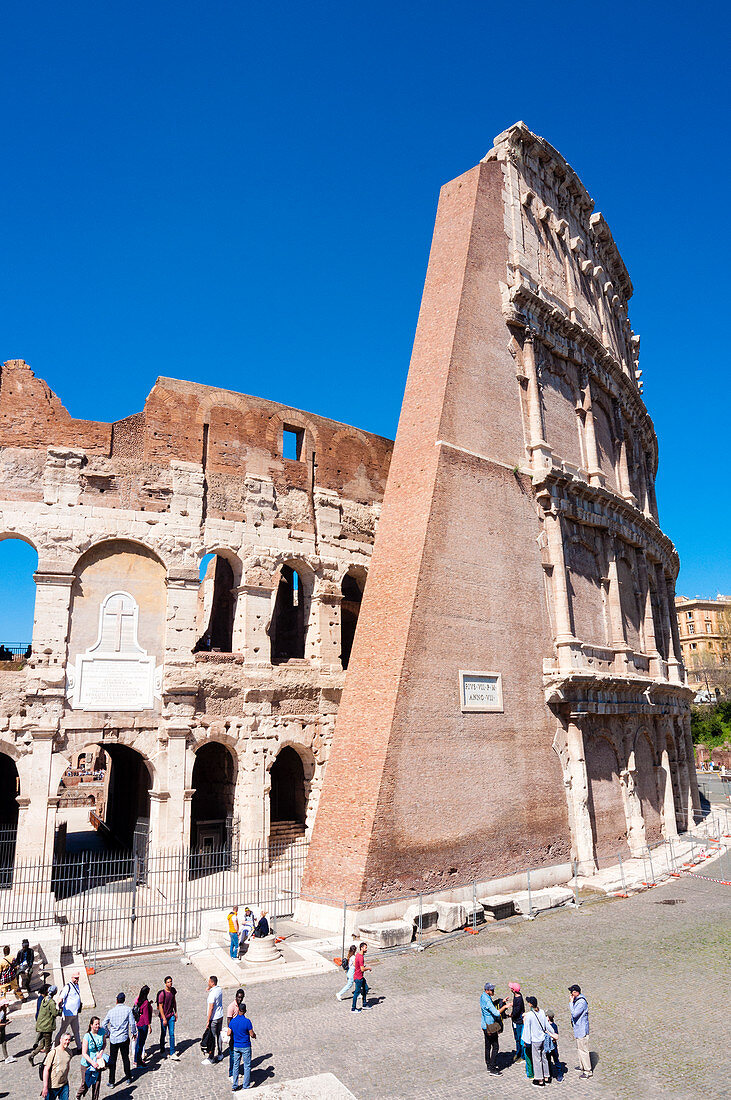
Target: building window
[[292, 440], [689, 614], [708, 626], [691, 628], [693, 645]]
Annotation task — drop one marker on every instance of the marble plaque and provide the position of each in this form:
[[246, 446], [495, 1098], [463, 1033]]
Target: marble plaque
[[115, 673], [481, 691]]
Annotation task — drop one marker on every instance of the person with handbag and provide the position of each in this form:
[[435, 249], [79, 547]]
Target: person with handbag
[[142, 1012], [93, 1060], [535, 1030], [24, 962], [8, 975], [492, 1025]]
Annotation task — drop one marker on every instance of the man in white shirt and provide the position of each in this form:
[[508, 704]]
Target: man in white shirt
[[214, 1020], [70, 1004]]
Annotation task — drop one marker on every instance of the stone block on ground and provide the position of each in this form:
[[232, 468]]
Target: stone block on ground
[[451, 916], [388, 933], [474, 911], [541, 900], [429, 916], [497, 906]]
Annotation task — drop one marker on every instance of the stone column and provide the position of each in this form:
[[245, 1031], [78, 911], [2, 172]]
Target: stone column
[[669, 822], [327, 616], [539, 450], [566, 643], [616, 619], [182, 605], [51, 617], [636, 837], [625, 485], [676, 673], [577, 793], [36, 826], [651, 649], [596, 477]]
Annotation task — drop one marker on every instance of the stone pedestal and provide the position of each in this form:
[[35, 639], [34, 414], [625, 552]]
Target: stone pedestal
[[262, 950]]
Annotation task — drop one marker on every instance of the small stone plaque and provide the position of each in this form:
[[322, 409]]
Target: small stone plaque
[[481, 691]]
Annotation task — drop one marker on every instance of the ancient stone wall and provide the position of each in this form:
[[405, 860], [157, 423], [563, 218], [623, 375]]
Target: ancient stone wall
[[132, 509]]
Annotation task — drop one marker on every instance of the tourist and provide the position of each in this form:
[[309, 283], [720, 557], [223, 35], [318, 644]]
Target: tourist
[[8, 977], [535, 1029], [4, 1014], [233, 932], [56, 1070], [242, 1032], [551, 1047], [70, 1004], [579, 1008], [359, 972], [93, 1060], [232, 1011], [492, 1025], [517, 1010], [214, 1021], [167, 1010], [246, 931], [119, 1023], [24, 964], [142, 1012], [262, 928], [349, 967], [47, 1012]]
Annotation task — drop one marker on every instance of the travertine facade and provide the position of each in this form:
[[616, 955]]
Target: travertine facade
[[133, 652], [519, 537]]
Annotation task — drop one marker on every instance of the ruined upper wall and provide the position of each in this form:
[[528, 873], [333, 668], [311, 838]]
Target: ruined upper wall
[[230, 436]]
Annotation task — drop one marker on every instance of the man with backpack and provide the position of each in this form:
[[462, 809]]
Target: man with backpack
[[46, 1015], [70, 1004], [167, 1010]]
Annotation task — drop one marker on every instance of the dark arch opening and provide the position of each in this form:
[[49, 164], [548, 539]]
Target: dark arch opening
[[214, 784], [9, 791], [127, 811], [352, 593], [288, 627], [287, 800], [218, 634]]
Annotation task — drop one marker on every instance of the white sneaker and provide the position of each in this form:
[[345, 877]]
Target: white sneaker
[[9, 1060], [207, 1062]]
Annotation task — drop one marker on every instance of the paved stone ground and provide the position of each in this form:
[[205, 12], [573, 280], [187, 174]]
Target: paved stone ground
[[656, 976]]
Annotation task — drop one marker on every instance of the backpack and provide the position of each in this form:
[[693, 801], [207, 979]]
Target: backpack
[[137, 1011], [344, 963]]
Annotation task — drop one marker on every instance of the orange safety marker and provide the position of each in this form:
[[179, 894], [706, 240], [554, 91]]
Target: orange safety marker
[[473, 931]]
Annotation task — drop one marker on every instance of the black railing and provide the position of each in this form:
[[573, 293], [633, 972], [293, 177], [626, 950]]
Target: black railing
[[14, 651]]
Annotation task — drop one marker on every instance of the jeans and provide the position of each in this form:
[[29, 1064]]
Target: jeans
[[528, 1060], [242, 1063], [61, 1093], [170, 1028], [216, 1026], [114, 1050], [346, 988], [142, 1031], [234, 949], [361, 989], [518, 1033]]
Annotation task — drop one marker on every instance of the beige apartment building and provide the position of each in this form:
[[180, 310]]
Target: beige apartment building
[[704, 627]]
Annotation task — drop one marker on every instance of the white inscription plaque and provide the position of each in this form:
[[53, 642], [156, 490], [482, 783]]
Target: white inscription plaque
[[115, 673], [481, 691]]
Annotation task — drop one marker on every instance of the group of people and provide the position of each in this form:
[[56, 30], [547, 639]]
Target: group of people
[[354, 966], [16, 971], [241, 929], [240, 1031], [535, 1032]]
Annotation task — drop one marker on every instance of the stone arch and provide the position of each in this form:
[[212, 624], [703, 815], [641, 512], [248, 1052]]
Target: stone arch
[[213, 781], [630, 602], [292, 601], [96, 542], [287, 793], [352, 588], [19, 563], [217, 600], [125, 805], [9, 791], [112, 565], [646, 784], [606, 805]]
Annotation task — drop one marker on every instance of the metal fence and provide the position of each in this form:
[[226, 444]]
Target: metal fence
[[12, 651], [119, 902]]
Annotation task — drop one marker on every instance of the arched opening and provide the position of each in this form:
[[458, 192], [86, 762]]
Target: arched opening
[[647, 789], [214, 785], [352, 595], [287, 799], [216, 605], [9, 791], [289, 621], [107, 807], [674, 769], [18, 563], [606, 806]]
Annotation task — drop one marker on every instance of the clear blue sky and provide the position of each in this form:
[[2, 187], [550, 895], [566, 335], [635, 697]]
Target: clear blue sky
[[244, 195]]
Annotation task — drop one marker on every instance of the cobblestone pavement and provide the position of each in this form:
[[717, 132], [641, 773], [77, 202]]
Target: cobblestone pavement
[[656, 976]]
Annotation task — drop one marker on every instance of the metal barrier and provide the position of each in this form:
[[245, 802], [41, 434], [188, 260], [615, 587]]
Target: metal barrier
[[121, 901]]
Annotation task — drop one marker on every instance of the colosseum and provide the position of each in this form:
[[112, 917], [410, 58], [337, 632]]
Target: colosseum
[[515, 693]]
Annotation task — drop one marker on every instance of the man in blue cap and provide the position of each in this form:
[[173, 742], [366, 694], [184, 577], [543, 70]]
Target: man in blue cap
[[491, 1026]]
